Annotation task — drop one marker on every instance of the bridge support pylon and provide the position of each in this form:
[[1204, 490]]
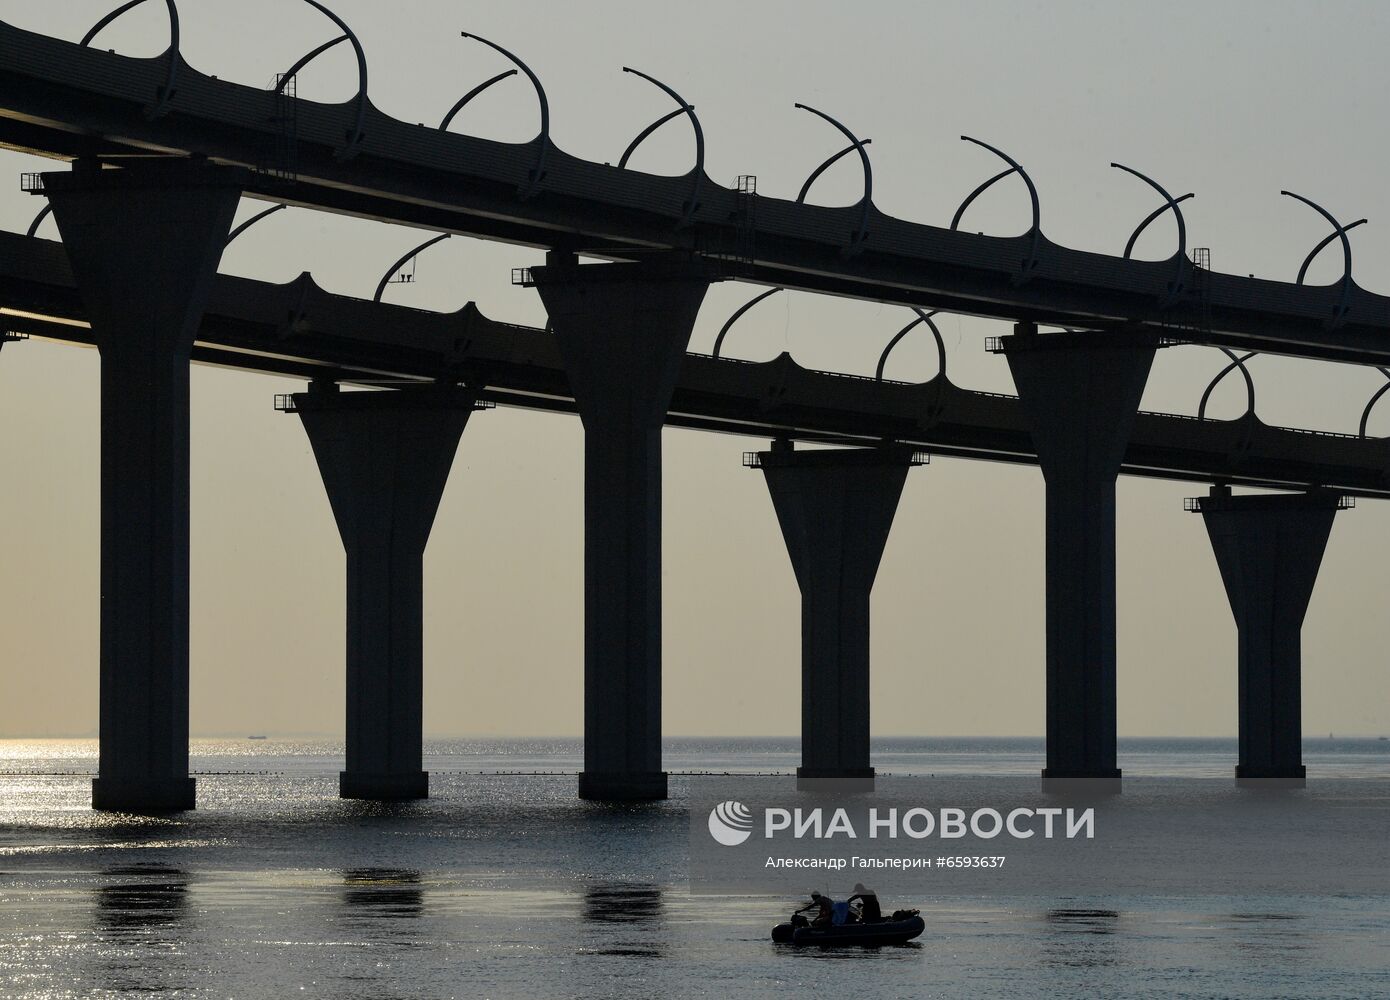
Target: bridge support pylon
[[384, 457], [1269, 548], [835, 507], [144, 242], [622, 331], [1080, 394]]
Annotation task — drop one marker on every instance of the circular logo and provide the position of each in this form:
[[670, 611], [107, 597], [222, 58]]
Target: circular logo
[[730, 823]]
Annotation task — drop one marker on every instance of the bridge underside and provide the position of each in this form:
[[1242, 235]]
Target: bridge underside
[[299, 330]]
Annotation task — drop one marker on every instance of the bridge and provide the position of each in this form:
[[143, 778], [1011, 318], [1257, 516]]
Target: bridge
[[161, 156]]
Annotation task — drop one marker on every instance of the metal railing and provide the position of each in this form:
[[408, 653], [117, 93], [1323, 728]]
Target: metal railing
[[1274, 427], [995, 345], [1194, 504], [284, 402], [754, 459]]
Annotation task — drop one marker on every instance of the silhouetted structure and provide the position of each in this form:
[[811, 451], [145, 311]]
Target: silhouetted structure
[[1080, 393], [61, 99], [836, 508], [143, 242], [622, 330], [1268, 548], [384, 458]]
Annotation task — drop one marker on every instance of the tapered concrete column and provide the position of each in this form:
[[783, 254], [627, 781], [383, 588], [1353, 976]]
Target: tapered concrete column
[[1269, 548], [622, 330], [144, 242], [385, 458], [1079, 393], [835, 508]]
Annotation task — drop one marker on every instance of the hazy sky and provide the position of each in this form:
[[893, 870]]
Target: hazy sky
[[1231, 100]]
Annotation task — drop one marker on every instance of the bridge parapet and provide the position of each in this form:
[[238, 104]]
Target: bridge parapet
[[60, 99]]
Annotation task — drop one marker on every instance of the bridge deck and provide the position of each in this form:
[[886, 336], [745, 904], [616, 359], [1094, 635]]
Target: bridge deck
[[300, 330], [59, 99]]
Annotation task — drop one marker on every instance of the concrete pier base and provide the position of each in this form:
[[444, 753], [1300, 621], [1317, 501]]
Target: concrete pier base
[[144, 795], [144, 242], [622, 786], [1269, 548], [1079, 394], [385, 458], [622, 330], [391, 786], [835, 508]]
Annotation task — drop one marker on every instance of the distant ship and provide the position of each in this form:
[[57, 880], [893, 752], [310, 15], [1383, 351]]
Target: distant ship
[[255, 737]]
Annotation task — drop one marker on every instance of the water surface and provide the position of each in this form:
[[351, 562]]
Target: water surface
[[503, 884]]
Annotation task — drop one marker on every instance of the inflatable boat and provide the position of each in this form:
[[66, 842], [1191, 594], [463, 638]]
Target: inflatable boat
[[903, 927]]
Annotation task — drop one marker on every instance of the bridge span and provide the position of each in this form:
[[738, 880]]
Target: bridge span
[[136, 275], [299, 330], [63, 100]]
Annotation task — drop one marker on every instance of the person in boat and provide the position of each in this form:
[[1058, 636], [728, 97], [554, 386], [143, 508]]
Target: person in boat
[[824, 907], [870, 912]]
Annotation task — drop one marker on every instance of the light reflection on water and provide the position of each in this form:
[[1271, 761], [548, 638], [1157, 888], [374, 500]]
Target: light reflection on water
[[508, 886], [1185, 757]]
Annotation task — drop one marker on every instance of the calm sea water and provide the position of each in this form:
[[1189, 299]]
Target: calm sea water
[[503, 884]]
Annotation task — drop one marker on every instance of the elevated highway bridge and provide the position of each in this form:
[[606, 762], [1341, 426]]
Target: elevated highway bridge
[[160, 156]]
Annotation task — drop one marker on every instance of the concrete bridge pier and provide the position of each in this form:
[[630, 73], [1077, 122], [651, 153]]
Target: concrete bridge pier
[[1269, 548], [835, 507], [385, 458], [622, 331], [144, 242], [1079, 394]]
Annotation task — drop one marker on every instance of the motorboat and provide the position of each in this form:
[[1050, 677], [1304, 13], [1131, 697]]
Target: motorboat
[[900, 928]]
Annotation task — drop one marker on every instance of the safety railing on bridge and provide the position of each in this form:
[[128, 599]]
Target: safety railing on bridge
[[754, 459], [284, 401], [1194, 504], [995, 345]]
